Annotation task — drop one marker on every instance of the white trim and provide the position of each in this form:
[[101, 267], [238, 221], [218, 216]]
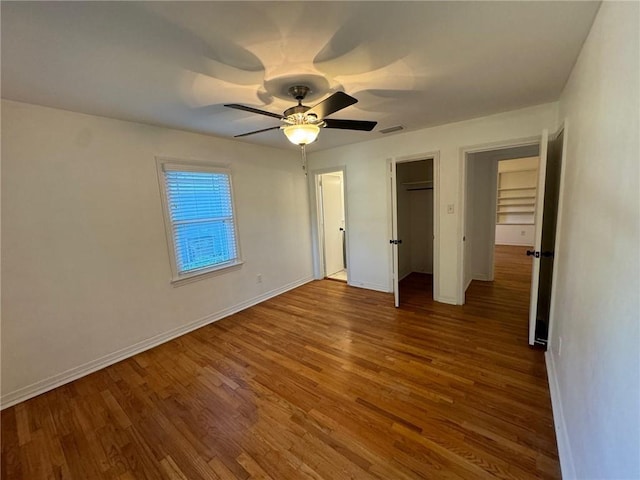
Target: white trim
[[436, 228], [449, 300], [567, 467], [483, 277], [42, 386], [466, 287], [405, 276], [315, 207], [206, 273], [515, 244], [434, 156], [176, 166]]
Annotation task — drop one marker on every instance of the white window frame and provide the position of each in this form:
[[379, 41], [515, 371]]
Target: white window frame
[[163, 164]]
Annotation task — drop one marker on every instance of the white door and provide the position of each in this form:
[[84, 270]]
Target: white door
[[394, 233], [535, 273], [333, 222]]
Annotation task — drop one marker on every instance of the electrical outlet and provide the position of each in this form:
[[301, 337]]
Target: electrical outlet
[[450, 208], [259, 278], [522, 232]]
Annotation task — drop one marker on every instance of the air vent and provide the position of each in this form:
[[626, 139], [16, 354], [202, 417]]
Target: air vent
[[392, 129]]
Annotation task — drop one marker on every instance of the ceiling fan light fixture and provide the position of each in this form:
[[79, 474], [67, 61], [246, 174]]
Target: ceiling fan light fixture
[[301, 134]]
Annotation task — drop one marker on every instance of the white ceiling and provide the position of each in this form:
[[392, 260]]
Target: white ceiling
[[175, 64]]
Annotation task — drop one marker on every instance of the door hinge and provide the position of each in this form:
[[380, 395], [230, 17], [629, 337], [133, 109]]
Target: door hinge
[[395, 242]]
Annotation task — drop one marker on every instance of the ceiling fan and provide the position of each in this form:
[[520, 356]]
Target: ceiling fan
[[301, 124]]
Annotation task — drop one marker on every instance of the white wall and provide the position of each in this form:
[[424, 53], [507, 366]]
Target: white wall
[[421, 231], [368, 190], [403, 175], [86, 270], [595, 376], [480, 234]]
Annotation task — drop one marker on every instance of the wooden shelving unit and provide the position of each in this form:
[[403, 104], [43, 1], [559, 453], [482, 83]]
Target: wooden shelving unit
[[516, 197]]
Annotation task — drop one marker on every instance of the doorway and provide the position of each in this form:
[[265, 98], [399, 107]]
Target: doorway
[[332, 225], [413, 241], [520, 209], [495, 210]]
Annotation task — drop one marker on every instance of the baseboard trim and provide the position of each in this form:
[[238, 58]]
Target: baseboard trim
[[567, 466], [515, 244], [42, 386], [447, 300], [402, 277], [483, 277]]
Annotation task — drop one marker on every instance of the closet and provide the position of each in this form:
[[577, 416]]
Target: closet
[[415, 217]]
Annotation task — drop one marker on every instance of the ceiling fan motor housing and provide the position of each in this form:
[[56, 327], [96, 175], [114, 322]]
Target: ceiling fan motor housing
[[299, 92]]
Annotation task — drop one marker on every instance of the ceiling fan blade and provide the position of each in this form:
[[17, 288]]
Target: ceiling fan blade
[[253, 110], [332, 104], [350, 124], [257, 131]]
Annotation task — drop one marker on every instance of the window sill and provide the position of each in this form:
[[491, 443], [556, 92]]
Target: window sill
[[205, 273]]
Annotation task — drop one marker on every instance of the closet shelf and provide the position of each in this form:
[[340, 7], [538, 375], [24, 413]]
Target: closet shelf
[[511, 189], [515, 212], [519, 197], [420, 185]]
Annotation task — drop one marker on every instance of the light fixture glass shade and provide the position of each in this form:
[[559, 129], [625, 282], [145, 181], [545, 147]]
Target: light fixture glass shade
[[301, 134]]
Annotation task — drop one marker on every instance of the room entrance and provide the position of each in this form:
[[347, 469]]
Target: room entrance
[[511, 197], [332, 225]]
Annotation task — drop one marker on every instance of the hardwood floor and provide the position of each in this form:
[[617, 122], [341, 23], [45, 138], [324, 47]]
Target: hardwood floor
[[324, 382]]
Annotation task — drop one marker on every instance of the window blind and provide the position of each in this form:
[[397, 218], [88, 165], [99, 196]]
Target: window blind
[[201, 216]]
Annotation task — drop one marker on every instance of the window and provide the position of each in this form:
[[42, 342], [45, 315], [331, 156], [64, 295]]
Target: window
[[199, 216]]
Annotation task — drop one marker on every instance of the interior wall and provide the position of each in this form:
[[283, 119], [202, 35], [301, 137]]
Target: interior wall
[[468, 225], [403, 175], [85, 265], [422, 219], [595, 339], [369, 196], [481, 177]]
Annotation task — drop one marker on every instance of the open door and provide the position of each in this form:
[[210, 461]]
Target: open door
[[546, 215], [331, 227], [333, 223], [394, 233]]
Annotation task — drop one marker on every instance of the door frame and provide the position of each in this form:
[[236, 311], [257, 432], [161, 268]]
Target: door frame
[[462, 197], [392, 223], [317, 232]]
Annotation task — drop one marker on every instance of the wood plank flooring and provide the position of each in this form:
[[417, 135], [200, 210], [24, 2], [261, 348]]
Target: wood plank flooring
[[324, 382]]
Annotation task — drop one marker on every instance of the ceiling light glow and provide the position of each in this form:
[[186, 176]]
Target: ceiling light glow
[[302, 134]]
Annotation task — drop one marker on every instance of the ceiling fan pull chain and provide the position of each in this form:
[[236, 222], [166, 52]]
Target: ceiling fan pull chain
[[304, 160]]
